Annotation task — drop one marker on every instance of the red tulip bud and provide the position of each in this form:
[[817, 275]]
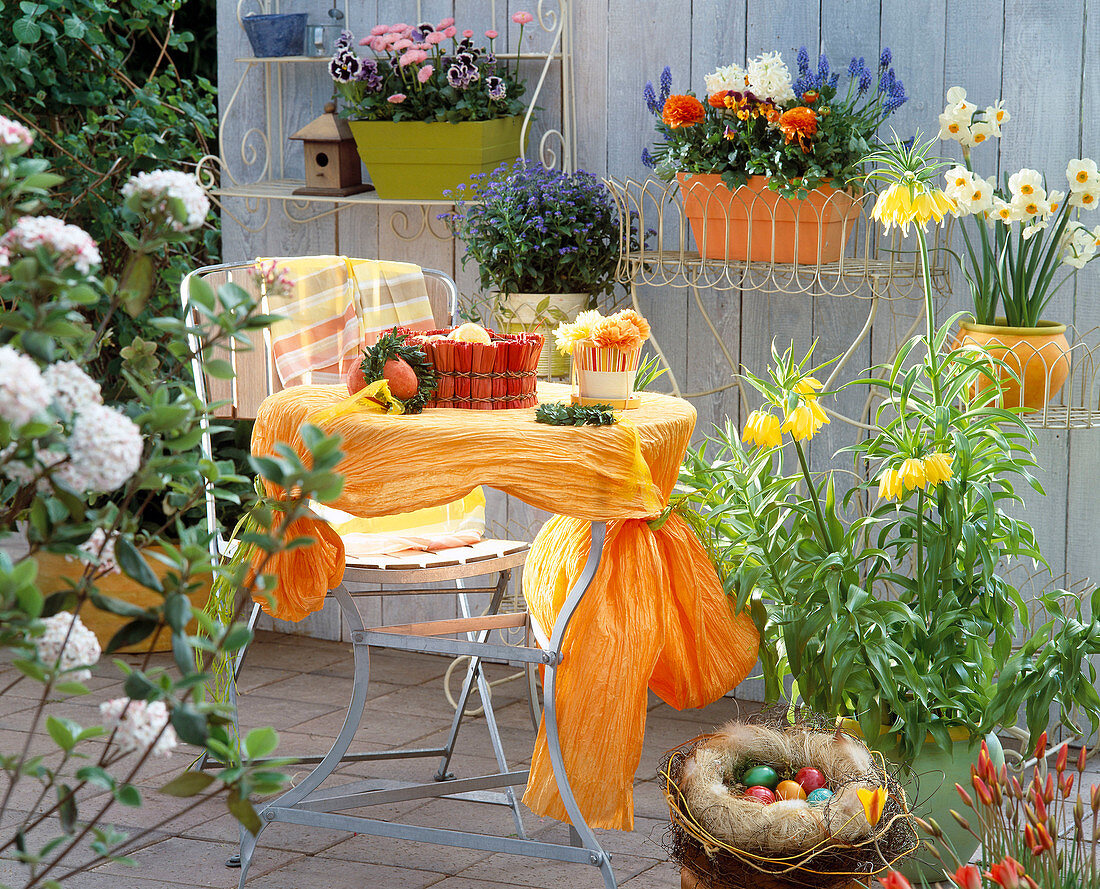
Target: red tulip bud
[[1029, 838], [1082, 756], [1067, 784], [1017, 790], [1043, 837], [1040, 810], [1063, 758], [968, 877], [1094, 798], [1048, 791], [983, 791], [966, 796], [1041, 746]]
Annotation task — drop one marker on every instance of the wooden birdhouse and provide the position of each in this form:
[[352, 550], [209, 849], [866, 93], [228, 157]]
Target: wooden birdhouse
[[332, 162]]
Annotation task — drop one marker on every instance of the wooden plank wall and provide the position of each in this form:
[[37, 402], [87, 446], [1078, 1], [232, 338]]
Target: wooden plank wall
[[994, 48]]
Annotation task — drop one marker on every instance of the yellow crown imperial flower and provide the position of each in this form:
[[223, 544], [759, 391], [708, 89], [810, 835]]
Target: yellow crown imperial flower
[[762, 430], [911, 474], [807, 387], [805, 420], [889, 486], [937, 468], [902, 204]]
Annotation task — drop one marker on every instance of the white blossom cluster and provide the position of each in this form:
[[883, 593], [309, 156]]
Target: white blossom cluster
[[138, 726], [769, 78], [24, 394], [79, 651], [14, 137], [100, 548], [104, 449], [70, 245], [963, 123], [728, 77], [156, 191], [72, 389]]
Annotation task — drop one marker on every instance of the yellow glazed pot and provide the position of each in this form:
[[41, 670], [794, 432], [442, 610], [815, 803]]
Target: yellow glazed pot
[[1039, 356]]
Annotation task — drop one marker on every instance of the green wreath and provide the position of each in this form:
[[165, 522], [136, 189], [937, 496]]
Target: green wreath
[[393, 345]]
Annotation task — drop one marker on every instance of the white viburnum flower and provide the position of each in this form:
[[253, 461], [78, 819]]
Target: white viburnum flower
[[176, 197], [1085, 198], [730, 77], [139, 725], [1082, 174], [99, 549], [769, 77], [69, 650], [105, 448], [1026, 183], [70, 245], [23, 392], [72, 389], [15, 139], [995, 115]]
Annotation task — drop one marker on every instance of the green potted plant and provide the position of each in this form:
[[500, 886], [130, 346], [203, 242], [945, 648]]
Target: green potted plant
[[891, 605], [546, 244], [429, 108], [1036, 243], [763, 164]]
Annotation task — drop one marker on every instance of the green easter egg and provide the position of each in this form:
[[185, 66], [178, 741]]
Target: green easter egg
[[821, 795], [763, 776]]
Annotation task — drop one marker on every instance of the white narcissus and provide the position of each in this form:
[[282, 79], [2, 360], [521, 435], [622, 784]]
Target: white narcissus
[[1005, 212], [980, 132], [1082, 174], [1078, 245], [1027, 183], [995, 115], [1085, 198]]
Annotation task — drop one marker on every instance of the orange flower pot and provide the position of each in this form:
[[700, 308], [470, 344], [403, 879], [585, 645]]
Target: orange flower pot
[[1039, 356], [756, 224]]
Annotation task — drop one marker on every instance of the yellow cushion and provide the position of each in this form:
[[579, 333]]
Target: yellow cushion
[[467, 514]]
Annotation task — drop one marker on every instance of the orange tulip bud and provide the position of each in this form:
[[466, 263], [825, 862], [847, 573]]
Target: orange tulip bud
[[1048, 791], [1094, 797], [1041, 746], [1017, 790], [983, 791], [1063, 757], [1082, 757], [1067, 785], [1029, 838], [966, 796], [968, 877]]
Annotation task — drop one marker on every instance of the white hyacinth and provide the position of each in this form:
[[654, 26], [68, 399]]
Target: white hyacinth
[[138, 726], [100, 548], [71, 387], [15, 138], [156, 190], [80, 651], [769, 78], [105, 449], [23, 392], [731, 77], [71, 245]]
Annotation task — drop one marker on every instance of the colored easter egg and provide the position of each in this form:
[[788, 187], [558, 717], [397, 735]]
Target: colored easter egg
[[765, 776], [819, 796], [810, 778], [760, 793], [789, 790]]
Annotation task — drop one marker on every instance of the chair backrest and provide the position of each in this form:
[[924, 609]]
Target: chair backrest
[[255, 376]]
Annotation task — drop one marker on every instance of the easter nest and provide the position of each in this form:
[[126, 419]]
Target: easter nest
[[500, 374], [727, 839]]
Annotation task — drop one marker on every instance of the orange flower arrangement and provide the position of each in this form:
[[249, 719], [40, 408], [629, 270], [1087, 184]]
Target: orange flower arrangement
[[683, 111], [626, 330], [799, 123]]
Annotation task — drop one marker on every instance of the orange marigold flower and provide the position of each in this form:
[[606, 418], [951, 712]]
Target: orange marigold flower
[[718, 99], [799, 123], [682, 111]]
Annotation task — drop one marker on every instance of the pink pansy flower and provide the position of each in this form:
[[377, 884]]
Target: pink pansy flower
[[403, 43], [522, 18], [425, 73], [467, 33], [397, 98], [378, 30], [492, 35], [434, 38], [446, 23], [450, 32]]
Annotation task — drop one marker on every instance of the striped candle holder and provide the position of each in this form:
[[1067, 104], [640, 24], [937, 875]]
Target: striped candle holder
[[604, 374]]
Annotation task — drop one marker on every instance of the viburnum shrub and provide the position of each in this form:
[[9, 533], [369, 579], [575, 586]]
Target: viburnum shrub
[[81, 472], [802, 132]]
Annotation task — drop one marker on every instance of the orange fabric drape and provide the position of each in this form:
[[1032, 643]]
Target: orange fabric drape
[[655, 616]]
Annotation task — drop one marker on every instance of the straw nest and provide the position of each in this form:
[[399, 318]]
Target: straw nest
[[727, 839]]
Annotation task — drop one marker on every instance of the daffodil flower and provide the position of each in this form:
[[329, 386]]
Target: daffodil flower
[[762, 430], [873, 803]]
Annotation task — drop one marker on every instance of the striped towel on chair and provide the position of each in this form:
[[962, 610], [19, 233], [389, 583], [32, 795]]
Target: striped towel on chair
[[337, 307]]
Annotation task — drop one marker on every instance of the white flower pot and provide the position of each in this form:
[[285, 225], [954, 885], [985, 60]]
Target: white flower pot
[[521, 314], [604, 374]]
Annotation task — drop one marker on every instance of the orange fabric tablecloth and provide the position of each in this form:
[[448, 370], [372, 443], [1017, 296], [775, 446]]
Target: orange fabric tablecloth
[[655, 616]]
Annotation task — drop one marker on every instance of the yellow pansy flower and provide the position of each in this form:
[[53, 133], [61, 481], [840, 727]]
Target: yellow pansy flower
[[911, 474], [937, 468], [762, 430], [874, 801], [899, 206], [805, 420], [889, 486]]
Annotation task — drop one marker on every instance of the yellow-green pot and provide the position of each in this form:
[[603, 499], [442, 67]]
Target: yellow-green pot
[[418, 161]]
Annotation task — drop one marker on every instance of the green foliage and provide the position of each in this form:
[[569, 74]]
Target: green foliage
[[560, 414], [104, 93]]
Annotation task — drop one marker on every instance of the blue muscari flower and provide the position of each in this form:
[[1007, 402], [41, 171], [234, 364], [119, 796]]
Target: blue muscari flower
[[822, 67], [834, 79], [854, 67], [885, 59], [803, 61], [647, 159], [666, 85], [864, 77]]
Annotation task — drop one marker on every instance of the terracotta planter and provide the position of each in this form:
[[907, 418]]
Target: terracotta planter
[[54, 570], [521, 315], [756, 224], [1039, 356], [415, 160]]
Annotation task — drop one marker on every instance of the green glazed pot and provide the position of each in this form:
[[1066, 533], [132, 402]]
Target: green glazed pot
[[418, 161]]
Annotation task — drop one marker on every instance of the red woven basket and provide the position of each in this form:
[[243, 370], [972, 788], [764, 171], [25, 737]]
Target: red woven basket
[[498, 376]]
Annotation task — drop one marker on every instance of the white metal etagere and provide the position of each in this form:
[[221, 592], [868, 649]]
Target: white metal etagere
[[255, 170]]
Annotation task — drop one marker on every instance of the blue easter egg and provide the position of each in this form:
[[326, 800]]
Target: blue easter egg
[[819, 796]]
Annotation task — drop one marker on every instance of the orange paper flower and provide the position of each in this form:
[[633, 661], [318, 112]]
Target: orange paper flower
[[799, 123], [682, 111], [618, 332], [637, 320]]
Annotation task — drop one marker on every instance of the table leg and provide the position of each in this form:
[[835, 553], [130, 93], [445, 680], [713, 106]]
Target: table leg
[[360, 681], [587, 838]]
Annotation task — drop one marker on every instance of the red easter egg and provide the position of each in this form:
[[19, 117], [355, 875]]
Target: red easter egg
[[789, 790], [810, 779], [761, 794]]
